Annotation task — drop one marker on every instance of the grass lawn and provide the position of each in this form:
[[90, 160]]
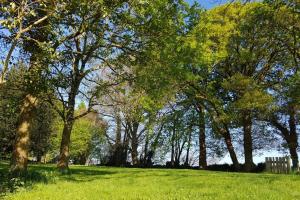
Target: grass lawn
[[89, 183]]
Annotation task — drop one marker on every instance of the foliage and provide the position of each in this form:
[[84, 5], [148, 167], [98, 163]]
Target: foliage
[[12, 94], [87, 133], [166, 83]]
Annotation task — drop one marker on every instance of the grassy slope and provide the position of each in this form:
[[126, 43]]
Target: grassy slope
[[88, 183]]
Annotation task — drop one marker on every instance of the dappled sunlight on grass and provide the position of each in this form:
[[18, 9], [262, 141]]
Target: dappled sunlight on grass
[[133, 183]]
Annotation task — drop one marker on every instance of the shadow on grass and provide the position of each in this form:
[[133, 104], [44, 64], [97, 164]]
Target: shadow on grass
[[84, 175], [48, 174], [45, 174]]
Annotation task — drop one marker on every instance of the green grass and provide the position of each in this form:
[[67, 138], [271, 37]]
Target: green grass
[[89, 183]]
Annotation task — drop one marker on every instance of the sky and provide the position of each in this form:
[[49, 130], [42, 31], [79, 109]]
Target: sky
[[208, 4]]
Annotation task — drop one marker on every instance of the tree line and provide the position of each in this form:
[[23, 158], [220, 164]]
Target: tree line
[[127, 84]]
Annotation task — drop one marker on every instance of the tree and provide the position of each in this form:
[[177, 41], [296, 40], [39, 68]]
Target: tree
[[18, 21], [10, 108], [200, 53], [100, 36], [18, 18], [41, 130], [86, 130], [235, 48], [286, 93]]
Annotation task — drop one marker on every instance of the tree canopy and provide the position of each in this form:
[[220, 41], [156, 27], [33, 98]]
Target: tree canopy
[[148, 83]]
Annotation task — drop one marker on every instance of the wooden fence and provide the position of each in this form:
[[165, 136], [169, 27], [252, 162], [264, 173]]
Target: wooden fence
[[281, 165]]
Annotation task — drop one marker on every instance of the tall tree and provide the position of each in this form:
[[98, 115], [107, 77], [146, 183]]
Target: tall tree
[[286, 89], [21, 20], [237, 46], [101, 35]]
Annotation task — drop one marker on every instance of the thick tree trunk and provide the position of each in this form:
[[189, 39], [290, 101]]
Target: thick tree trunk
[[63, 163], [202, 143], [134, 153], [248, 148], [294, 157], [20, 151], [293, 140], [226, 134], [134, 143], [289, 135]]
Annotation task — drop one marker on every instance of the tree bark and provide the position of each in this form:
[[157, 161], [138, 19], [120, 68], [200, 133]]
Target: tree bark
[[293, 141], [179, 151], [118, 144], [134, 143], [63, 163], [294, 157], [202, 143], [125, 146], [226, 134], [146, 149], [134, 154], [248, 147], [186, 163], [20, 152]]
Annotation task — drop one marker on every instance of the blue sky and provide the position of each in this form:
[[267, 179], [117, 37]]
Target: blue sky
[[208, 3]]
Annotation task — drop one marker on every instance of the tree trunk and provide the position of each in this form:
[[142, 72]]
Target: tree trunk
[[118, 144], [125, 147], [179, 151], [294, 156], [39, 158], [172, 155], [82, 159], [87, 161], [248, 148], [153, 146], [20, 152], [146, 149], [293, 140], [134, 154], [134, 143], [202, 144], [226, 134], [63, 163], [186, 163], [173, 146], [290, 136]]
